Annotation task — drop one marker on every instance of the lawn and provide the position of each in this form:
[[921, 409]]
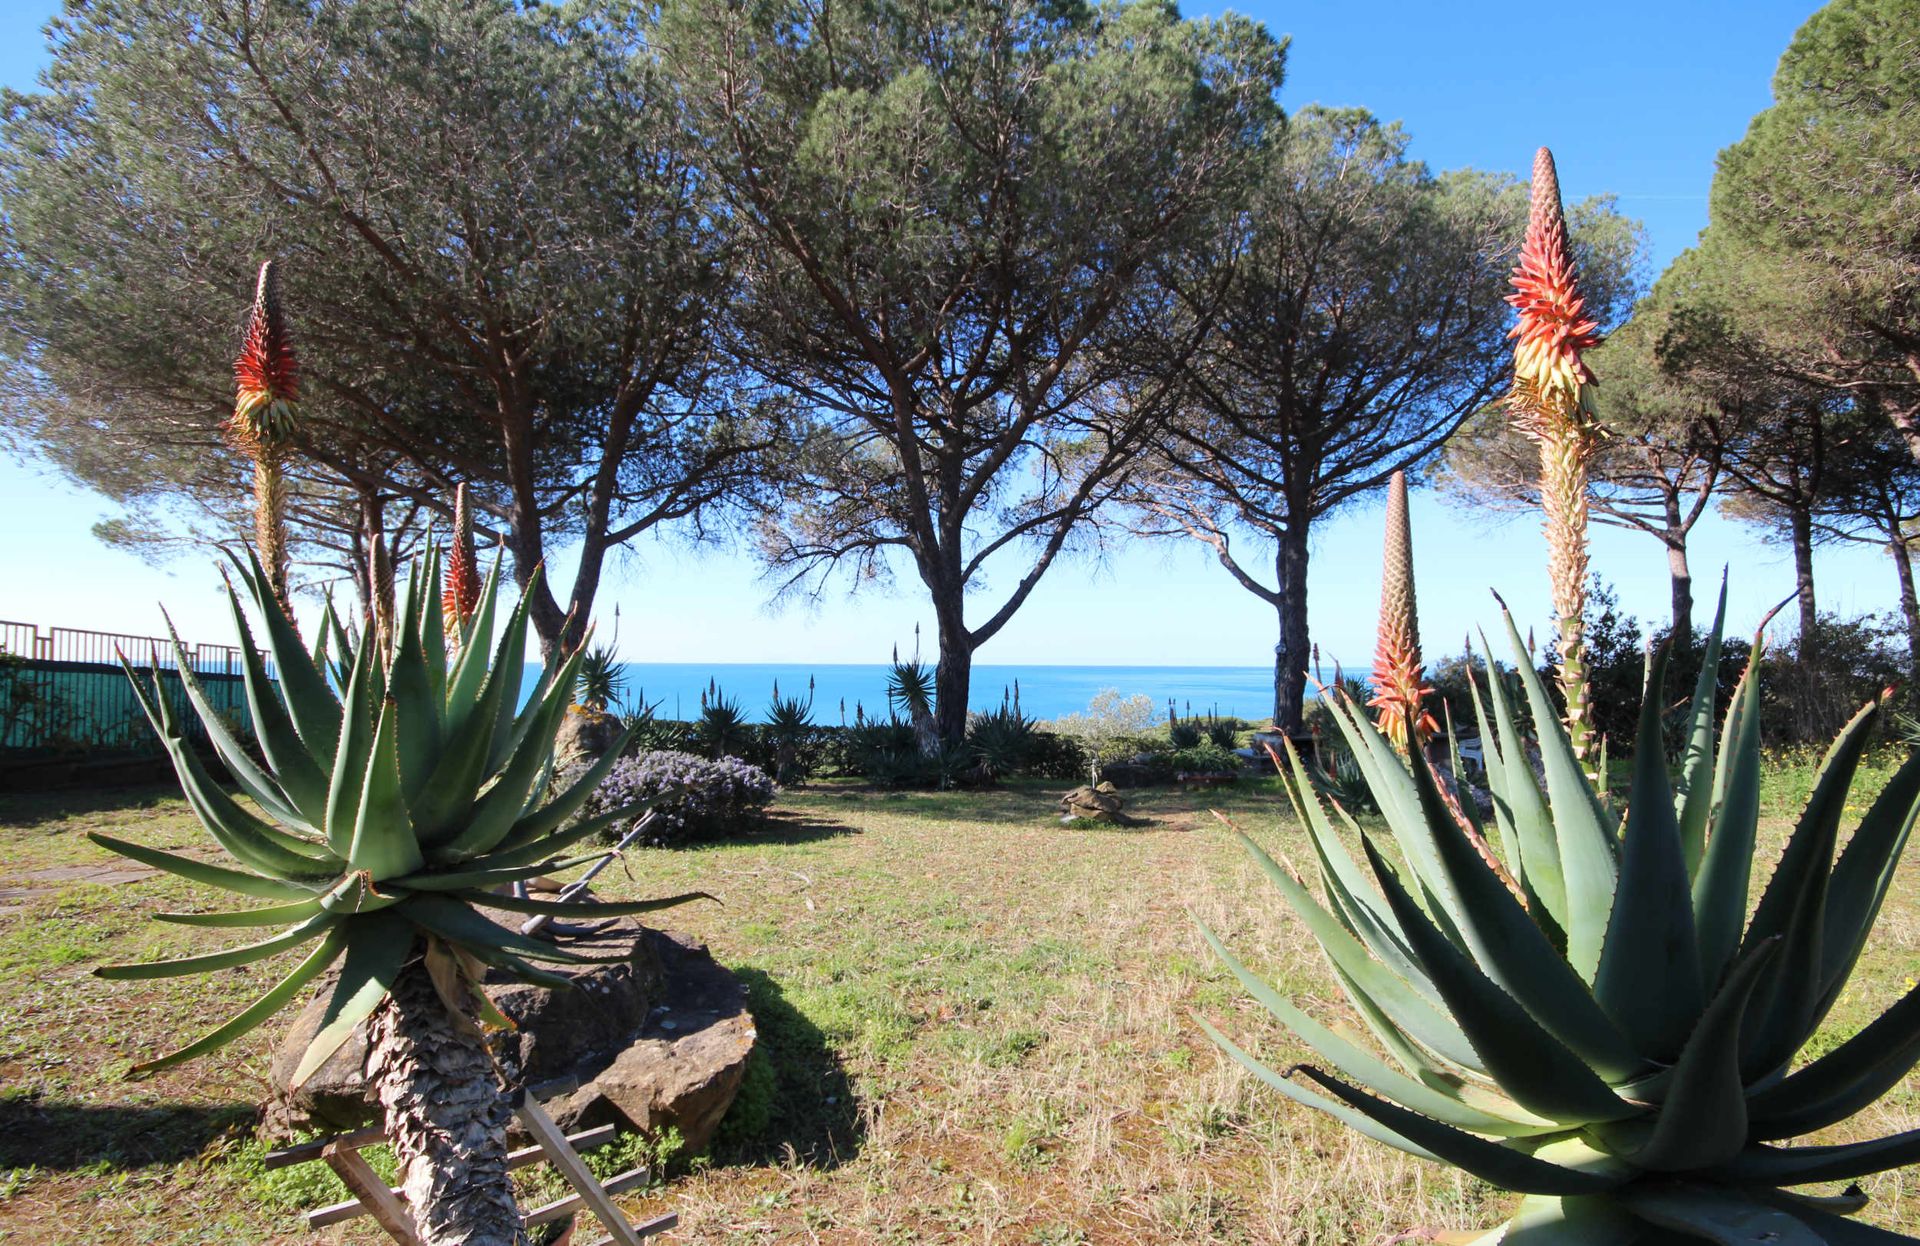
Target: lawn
[[976, 1026]]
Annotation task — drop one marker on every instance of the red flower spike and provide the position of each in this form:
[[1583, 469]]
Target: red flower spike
[[1554, 328], [1398, 693], [265, 374], [461, 596]]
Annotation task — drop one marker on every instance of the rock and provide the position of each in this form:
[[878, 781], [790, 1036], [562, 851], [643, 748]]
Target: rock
[[1099, 803], [660, 1039], [686, 1067]]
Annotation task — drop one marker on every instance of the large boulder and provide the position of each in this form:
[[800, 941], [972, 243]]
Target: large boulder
[[659, 1039], [1092, 803], [585, 733]]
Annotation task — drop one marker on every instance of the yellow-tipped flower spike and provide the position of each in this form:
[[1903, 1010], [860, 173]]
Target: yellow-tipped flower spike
[[1554, 329], [1398, 694], [264, 421], [266, 376]]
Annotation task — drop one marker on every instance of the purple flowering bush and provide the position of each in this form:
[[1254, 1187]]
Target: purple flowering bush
[[722, 795]]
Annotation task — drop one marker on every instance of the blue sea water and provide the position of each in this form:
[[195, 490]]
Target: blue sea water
[[1045, 691]]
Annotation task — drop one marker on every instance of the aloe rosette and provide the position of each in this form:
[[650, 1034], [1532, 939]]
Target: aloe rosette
[[1593, 1021], [402, 789]]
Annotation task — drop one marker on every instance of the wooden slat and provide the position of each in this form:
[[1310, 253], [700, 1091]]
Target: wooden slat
[[659, 1224], [585, 1140], [613, 1185], [379, 1202], [301, 1152], [575, 1170]]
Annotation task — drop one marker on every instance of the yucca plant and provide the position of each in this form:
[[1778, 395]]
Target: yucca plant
[[723, 730], [603, 678], [401, 793], [1590, 1018], [790, 730], [910, 692]]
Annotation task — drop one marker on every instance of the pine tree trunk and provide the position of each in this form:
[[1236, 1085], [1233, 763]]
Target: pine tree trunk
[[1291, 655], [1910, 612], [446, 1117], [952, 682]]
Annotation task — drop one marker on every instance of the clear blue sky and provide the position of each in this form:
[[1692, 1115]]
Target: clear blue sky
[[1635, 99]]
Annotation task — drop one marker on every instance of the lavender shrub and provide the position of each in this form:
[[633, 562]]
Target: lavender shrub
[[721, 797]]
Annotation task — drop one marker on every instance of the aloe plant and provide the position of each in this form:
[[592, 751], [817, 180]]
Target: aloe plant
[[1588, 1017], [401, 792]]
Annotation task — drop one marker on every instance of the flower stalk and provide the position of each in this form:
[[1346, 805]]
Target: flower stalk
[[1551, 402], [1399, 696], [265, 421]]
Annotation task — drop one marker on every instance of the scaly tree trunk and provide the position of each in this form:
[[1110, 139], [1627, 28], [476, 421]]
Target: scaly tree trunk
[[446, 1117], [1802, 529], [1681, 576], [1910, 611], [1291, 655], [952, 679]]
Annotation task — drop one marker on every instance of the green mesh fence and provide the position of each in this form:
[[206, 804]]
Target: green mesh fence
[[62, 689]]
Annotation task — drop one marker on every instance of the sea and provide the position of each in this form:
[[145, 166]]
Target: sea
[[674, 688]]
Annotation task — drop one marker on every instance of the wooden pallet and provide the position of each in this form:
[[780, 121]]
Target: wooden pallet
[[388, 1207]]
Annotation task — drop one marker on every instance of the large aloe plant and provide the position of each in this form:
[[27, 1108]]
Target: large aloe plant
[[1588, 1016], [402, 791]]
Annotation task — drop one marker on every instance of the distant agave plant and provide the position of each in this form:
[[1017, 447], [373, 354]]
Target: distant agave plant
[[1583, 1019]]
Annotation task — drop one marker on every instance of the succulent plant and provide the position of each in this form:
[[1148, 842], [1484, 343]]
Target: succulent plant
[[400, 790], [1589, 1018]]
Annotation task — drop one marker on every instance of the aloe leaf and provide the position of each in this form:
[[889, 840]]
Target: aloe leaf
[[1529, 1064], [1354, 899], [483, 878], [1794, 906], [356, 743], [1584, 840], [271, 915], [1402, 1005], [509, 670], [376, 953], [383, 837], [476, 645], [1368, 1069], [520, 969], [310, 703], [343, 647], [1526, 809], [548, 818], [491, 818], [1704, 1118], [1299, 1094], [205, 872], [1864, 873], [1833, 1230], [433, 631], [1571, 1220], [293, 766], [583, 908], [1650, 935], [460, 924], [1720, 887], [256, 1013], [247, 839], [1493, 1162], [1514, 953], [1846, 1079], [1805, 1165], [417, 733], [1392, 784], [1494, 764], [1697, 764], [1718, 1215], [254, 781], [229, 958]]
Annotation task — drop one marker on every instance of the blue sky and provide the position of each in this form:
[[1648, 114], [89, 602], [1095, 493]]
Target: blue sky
[[1635, 99]]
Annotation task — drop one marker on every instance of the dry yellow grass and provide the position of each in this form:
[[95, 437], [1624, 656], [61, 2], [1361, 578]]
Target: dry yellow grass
[[978, 1025]]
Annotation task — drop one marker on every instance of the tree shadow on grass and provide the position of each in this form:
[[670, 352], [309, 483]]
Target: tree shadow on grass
[[795, 826], [26, 809], [797, 1102], [62, 1135]]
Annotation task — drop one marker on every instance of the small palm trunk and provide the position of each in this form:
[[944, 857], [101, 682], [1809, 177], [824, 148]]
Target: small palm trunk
[[446, 1117]]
